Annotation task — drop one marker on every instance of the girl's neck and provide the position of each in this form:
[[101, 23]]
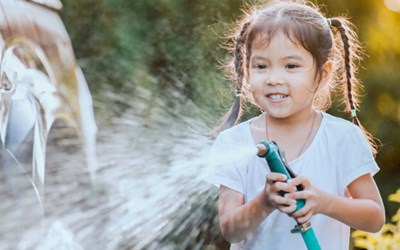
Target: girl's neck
[[296, 120], [293, 134]]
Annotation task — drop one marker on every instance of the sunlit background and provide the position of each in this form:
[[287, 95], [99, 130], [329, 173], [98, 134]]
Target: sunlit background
[[154, 70]]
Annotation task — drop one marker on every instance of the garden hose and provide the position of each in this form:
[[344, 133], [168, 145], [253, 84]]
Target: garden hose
[[277, 163]]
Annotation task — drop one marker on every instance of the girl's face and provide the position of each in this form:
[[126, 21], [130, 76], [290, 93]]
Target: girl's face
[[282, 76]]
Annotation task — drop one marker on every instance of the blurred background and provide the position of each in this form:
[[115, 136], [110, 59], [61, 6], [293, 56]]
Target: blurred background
[[172, 49], [154, 70]]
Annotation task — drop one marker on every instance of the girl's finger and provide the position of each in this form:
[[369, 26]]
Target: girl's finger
[[302, 212], [300, 180], [282, 186], [299, 195], [279, 200], [287, 209], [304, 219], [274, 177]]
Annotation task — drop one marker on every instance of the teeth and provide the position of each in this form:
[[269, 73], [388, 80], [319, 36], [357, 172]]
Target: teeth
[[277, 96]]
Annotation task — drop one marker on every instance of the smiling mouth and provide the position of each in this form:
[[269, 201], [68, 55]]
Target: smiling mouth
[[276, 96]]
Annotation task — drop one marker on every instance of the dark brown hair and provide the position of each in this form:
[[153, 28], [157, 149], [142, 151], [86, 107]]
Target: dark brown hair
[[332, 39]]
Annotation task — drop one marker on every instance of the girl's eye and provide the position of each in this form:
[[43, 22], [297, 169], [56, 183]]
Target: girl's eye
[[261, 66], [292, 66]]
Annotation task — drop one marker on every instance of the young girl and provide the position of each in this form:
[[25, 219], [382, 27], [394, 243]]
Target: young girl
[[288, 58]]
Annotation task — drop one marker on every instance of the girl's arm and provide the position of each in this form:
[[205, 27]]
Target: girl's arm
[[238, 220], [364, 211]]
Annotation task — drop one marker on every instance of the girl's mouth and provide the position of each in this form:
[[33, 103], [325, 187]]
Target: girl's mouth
[[277, 97]]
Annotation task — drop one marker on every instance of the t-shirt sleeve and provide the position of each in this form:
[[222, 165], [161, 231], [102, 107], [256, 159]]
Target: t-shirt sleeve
[[355, 157], [224, 169]]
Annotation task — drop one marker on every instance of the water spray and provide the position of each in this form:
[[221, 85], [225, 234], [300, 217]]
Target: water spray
[[277, 163]]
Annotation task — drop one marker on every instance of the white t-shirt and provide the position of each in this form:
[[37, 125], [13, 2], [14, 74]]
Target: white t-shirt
[[338, 154]]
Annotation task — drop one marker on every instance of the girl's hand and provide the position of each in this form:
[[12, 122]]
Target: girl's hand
[[313, 197], [275, 185]]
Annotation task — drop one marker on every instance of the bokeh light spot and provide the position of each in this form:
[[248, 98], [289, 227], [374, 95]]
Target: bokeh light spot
[[386, 104], [393, 5]]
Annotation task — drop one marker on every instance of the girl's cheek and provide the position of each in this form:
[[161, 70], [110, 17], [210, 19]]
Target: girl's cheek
[[256, 81]]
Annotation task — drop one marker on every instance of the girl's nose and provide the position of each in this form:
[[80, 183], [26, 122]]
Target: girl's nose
[[274, 78], [274, 81]]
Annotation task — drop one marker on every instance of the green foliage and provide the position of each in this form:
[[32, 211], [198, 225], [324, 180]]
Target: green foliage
[[176, 42]]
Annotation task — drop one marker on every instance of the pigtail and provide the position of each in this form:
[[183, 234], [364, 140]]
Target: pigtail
[[235, 112], [350, 49], [350, 52]]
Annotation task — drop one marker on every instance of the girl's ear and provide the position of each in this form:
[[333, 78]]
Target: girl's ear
[[326, 72]]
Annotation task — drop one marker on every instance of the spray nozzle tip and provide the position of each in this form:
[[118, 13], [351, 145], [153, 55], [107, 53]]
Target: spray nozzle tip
[[262, 150]]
